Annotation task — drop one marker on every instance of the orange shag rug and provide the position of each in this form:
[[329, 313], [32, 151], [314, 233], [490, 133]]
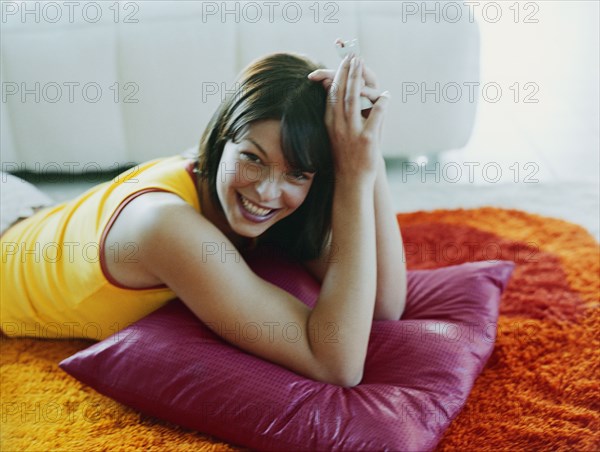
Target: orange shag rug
[[539, 390]]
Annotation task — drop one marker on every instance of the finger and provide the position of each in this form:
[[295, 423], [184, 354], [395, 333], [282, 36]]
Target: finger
[[375, 120], [370, 93], [369, 76], [352, 95], [321, 74], [333, 90], [327, 84], [338, 87]]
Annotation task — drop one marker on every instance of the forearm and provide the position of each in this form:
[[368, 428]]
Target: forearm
[[391, 262], [347, 298]]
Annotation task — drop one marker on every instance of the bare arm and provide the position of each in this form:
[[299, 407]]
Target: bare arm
[[347, 295], [391, 262]]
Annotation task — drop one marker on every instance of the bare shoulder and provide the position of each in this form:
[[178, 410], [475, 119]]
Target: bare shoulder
[[132, 228]]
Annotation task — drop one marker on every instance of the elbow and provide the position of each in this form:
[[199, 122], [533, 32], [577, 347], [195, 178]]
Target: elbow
[[388, 314], [346, 378], [350, 381], [390, 310]]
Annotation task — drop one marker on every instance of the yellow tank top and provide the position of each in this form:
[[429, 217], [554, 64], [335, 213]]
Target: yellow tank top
[[53, 279]]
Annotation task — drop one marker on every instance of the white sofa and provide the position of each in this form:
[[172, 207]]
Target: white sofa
[[55, 57]]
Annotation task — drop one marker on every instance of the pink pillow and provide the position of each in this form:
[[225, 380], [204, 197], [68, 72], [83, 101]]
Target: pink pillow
[[418, 374]]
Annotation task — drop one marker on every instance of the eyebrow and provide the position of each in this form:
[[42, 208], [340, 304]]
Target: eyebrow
[[258, 146], [263, 151]]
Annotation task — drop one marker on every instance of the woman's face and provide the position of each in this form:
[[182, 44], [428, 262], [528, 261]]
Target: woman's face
[[255, 186]]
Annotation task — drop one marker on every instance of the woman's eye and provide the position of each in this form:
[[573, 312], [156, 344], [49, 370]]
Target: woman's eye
[[249, 156], [297, 175]]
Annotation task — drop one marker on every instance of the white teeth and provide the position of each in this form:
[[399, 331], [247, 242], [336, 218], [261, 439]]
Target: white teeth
[[253, 209]]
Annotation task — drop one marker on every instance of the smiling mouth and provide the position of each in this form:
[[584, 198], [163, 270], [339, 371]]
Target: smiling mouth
[[253, 209]]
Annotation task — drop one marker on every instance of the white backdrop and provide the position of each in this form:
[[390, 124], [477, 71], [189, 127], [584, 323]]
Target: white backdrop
[[97, 85]]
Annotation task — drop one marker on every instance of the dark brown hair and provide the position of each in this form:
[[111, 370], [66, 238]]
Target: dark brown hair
[[276, 87]]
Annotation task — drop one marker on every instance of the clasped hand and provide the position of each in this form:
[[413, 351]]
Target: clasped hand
[[355, 141]]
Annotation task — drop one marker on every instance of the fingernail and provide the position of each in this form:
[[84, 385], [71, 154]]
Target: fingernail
[[386, 94]]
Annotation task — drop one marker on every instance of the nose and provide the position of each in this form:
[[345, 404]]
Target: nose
[[268, 188]]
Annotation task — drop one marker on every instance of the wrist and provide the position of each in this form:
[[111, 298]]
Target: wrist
[[381, 168], [355, 183], [352, 176]]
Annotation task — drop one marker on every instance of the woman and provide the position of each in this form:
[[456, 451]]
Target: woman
[[284, 160]]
